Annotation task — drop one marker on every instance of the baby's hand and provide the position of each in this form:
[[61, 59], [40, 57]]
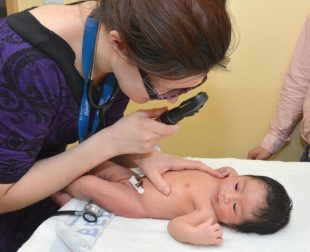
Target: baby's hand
[[208, 233], [227, 171]]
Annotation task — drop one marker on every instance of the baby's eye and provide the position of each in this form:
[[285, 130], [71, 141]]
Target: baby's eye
[[236, 187], [234, 207]]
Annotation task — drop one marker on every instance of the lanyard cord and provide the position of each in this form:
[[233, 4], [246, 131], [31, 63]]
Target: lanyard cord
[[109, 88]]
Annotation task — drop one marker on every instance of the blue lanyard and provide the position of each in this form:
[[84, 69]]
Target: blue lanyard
[[88, 51]]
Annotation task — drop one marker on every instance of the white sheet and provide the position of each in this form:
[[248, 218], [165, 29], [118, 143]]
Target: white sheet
[[123, 234]]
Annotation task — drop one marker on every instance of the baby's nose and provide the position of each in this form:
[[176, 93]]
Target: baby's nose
[[230, 197]]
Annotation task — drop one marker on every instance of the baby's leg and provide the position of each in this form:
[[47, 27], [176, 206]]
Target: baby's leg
[[112, 172], [108, 186]]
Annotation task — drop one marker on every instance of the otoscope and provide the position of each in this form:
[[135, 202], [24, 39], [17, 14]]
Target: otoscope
[[185, 109]]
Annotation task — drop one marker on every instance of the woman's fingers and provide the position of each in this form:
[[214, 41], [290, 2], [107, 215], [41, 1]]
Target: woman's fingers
[[138, 132], [158, 181], [153, 113], [195, 165]]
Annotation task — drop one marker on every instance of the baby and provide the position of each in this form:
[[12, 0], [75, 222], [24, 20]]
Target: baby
[[197, 204]]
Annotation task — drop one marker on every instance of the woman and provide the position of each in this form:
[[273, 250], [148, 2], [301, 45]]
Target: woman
[[145, 49]]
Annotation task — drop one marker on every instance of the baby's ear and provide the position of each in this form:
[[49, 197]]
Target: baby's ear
[[117, 44]]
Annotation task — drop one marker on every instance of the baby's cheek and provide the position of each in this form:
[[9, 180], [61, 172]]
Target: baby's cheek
[[223, 214]]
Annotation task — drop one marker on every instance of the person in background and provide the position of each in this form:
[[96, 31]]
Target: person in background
[[294, 104], [49, 97]]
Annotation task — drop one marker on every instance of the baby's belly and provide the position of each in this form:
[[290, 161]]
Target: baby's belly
[[177, 203]]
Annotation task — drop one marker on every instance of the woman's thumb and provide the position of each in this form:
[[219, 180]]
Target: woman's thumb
[[155, 112]]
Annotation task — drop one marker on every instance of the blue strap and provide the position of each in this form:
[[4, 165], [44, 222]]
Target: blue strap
[[88, 50], [89, 43]]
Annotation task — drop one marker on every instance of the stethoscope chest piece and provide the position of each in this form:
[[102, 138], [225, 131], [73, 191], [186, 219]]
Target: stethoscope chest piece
[[91, 212]]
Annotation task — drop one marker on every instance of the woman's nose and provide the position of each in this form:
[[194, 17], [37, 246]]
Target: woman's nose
[[173, 100]]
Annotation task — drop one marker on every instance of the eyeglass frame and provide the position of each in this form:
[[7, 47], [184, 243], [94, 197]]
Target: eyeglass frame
[[154, 95]]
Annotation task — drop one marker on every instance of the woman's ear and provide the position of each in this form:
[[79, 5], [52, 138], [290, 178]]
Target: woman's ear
[[117, 44]]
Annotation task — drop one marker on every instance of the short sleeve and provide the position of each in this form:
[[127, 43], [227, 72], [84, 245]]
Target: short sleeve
[[31, 93]]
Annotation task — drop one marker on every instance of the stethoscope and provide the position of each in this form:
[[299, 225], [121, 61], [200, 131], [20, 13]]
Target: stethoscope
[[109, 88], [91, 212]]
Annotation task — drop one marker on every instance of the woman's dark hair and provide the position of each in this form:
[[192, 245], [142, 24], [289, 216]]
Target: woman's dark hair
[[274, 215], [173, 39]]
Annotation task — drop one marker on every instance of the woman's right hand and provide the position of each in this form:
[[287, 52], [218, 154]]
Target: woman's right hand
[[138, 132], [259, 153]]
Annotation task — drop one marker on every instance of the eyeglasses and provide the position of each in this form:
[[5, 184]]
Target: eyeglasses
[[154, 95]]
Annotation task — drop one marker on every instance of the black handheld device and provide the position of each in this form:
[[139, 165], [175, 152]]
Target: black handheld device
[[186, 108]]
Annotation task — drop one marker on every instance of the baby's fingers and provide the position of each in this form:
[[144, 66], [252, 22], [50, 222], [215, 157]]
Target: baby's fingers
[[210, 221], [218, 241]]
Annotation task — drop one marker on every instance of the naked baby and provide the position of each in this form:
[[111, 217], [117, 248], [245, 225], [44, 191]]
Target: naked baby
[[198, 202]]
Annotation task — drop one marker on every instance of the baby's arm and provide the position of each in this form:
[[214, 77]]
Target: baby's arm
[[196, 228]]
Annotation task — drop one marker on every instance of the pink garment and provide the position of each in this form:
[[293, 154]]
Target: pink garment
[[294, 102]]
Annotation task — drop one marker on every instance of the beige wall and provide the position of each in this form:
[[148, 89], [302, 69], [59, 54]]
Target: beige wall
[[242, 101], [24, 4]]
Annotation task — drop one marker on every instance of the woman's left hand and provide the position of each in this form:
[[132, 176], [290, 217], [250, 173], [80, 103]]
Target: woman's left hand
[[157, 163], [227, 171]]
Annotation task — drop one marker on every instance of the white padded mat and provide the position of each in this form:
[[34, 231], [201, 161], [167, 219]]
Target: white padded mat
[[123, 234]]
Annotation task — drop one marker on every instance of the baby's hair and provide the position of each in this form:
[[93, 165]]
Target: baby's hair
[[276, 211]]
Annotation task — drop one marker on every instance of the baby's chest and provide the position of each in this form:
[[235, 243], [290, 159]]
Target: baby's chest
[[201, 198]]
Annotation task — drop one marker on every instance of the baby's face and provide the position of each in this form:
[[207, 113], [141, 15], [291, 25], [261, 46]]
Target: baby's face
[[235, 199]]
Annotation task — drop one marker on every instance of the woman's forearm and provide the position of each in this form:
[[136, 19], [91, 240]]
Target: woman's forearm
[[53, 174]]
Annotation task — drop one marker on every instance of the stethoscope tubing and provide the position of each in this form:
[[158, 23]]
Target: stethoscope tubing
[[87, 215]]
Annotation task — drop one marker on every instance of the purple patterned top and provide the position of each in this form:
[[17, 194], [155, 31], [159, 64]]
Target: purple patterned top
[[40, 91]]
